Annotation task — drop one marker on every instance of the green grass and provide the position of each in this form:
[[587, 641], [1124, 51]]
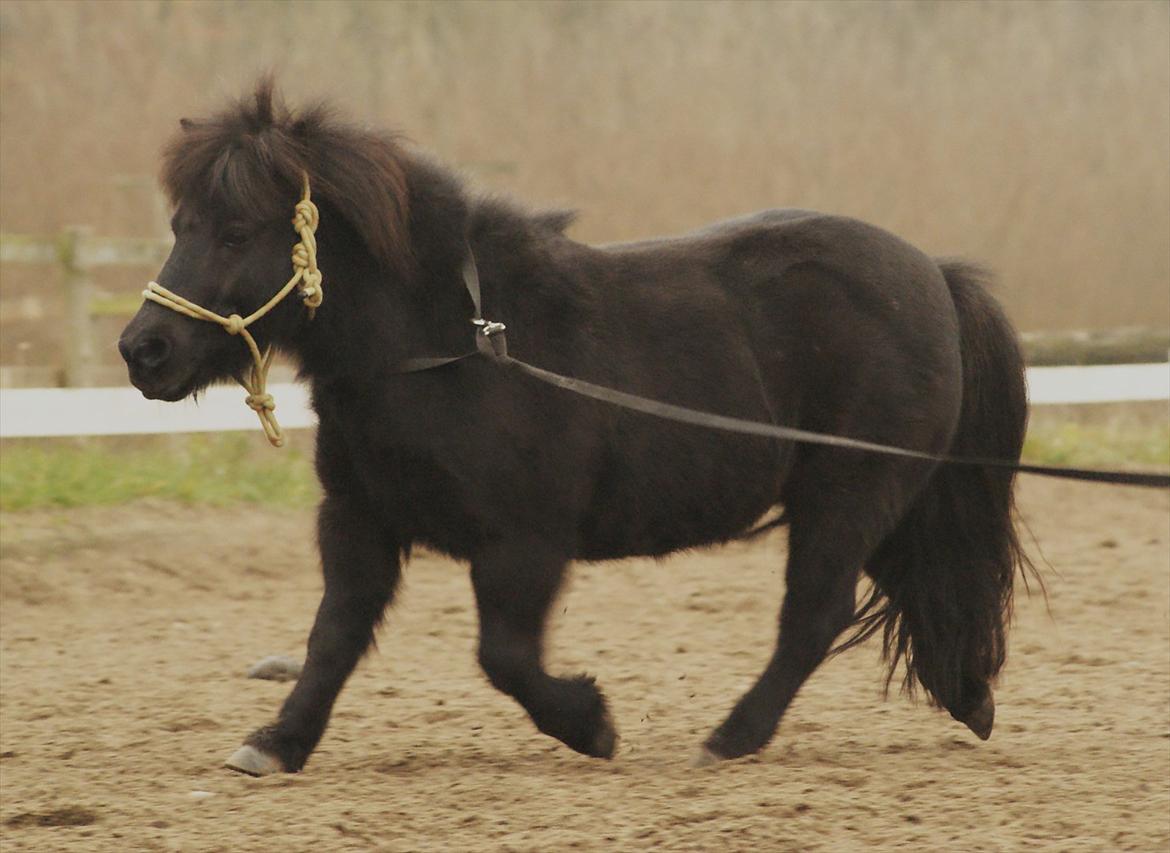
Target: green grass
[[217, 470], [1099, 445], [222, 470]]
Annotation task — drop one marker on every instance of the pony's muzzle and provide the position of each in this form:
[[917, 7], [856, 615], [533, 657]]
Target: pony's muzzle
[[145, 352], [152, 355]]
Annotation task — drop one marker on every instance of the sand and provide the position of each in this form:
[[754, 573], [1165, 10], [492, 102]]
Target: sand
[[125, 634]]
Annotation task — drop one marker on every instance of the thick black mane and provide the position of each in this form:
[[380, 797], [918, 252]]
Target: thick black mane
[[250, 158]]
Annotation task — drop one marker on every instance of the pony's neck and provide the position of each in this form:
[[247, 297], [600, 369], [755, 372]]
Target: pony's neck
[[371, 320]]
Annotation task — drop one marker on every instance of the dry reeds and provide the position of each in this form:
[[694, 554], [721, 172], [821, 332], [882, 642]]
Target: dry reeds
[[1033, 136]]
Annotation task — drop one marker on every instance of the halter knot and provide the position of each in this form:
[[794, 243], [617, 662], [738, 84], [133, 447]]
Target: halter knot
[[235, 324], [306, 215], [311, 291], [300, 256], [260, 402], [304, 261]]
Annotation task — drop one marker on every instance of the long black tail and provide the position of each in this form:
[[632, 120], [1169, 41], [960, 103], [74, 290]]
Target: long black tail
[[943, 579]]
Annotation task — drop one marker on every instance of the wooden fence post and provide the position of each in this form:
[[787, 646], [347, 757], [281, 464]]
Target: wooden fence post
[[78, 326]]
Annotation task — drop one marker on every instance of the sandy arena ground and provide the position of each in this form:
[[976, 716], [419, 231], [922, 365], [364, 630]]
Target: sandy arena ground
[[125, 633]]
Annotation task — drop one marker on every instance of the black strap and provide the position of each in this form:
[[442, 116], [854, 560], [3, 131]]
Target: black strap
[[471, 282], [489, 336], [739, 425], [414, 365], [490, 341]]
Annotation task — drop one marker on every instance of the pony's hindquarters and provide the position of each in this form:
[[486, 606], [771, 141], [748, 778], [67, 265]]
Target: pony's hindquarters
[[943, 578]]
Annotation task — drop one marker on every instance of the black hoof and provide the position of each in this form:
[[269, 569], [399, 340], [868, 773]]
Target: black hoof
[[606, 740], [737, 737], [582, 720], [982, 719]]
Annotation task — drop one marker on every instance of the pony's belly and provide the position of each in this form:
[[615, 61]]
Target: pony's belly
[[652, 535], [634, 514]]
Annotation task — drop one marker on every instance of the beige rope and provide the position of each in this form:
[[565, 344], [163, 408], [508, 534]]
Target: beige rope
[[305, 273]]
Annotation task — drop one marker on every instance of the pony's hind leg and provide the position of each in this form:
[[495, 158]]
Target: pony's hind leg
[[515, 583], [833, 531], [361, 566], [818, 606]]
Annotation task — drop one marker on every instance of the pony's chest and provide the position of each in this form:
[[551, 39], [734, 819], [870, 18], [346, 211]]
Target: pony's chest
[[424, 498], [411, 486]]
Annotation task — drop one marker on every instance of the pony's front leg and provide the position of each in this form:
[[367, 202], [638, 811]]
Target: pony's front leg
[[361, 565], [515, 583]]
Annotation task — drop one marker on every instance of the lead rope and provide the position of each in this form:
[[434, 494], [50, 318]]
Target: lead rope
[[305, 273]]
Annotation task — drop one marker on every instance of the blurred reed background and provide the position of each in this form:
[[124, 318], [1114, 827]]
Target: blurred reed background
[[1032, 136]]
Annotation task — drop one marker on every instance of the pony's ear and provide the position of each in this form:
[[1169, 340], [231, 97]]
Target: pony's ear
[[186, 123]]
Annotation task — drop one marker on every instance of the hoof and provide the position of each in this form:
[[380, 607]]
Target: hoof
[[606, 741], [981, 720], [705, 757], [250, 760]]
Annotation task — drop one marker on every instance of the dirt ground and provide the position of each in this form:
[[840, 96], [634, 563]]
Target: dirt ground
[[125, 634]]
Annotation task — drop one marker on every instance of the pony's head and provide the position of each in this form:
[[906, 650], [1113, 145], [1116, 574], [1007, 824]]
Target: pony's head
[[234, 181]]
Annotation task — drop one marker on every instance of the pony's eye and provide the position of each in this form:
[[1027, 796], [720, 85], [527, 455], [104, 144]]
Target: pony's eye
[[233, 237]]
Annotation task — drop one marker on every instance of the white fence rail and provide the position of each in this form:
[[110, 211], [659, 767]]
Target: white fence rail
[[1099, 383], [45, 412]]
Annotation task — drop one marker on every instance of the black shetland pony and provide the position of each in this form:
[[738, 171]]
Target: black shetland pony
[[789, 317]]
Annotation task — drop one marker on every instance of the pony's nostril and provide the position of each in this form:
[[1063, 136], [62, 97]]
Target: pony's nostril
[[151, 353]]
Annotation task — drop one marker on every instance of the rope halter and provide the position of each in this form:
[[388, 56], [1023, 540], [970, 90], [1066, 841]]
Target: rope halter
[[305, 273]]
